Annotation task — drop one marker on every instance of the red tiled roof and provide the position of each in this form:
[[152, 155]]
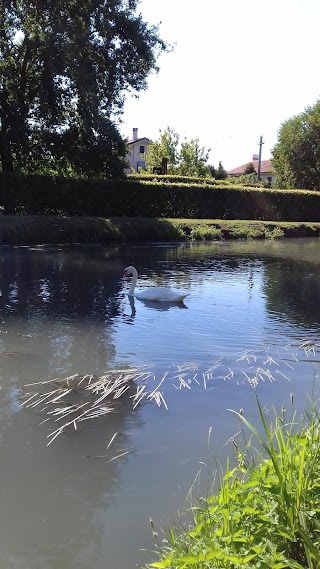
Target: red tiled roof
[[265, 167]]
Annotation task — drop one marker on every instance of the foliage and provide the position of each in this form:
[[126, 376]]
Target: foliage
[[218, 174], [174, 179], [33, 194], [165, 147], [65, 66], [32, 229], [249, 180], [250, 169], [221, 174], [206, 233], [186, 159], [193, 158], [266, 512], [296, 156]]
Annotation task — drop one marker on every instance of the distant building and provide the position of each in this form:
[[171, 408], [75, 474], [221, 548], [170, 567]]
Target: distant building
[[266, 172], [137, 148]]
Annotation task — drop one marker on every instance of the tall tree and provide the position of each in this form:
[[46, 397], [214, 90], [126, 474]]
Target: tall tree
[[249, 169], [165, 147], [221, 173], [185, 159], [65, 66], [296, 156], [193, 158]]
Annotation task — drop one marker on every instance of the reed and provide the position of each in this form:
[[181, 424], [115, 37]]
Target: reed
[[266, 511], [68, 402], [96, 397]]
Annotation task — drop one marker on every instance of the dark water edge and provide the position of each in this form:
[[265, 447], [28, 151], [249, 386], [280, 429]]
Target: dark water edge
[[40, 230]]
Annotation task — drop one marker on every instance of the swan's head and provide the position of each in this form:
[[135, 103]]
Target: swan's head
[[129, 271]]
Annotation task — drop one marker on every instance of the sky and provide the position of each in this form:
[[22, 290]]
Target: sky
[[238, 70]]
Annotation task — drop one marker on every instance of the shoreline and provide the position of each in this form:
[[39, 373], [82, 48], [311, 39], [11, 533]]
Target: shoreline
[[41, 229]]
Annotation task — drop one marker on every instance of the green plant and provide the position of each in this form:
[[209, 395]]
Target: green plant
[[266, 513], [205, 233], [276, 233]]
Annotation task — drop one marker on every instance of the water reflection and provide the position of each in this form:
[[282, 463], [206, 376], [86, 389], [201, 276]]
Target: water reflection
[[155, 305], [149, 304], [64, 311], [55, 496], [163, 306]]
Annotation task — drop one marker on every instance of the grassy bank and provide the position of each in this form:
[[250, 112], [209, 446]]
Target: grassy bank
[[29, 229], [266, 512]]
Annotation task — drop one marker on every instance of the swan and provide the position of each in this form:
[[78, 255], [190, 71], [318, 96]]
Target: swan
[[159, 293]]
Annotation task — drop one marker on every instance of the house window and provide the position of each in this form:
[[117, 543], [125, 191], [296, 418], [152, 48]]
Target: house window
[[141, 149]]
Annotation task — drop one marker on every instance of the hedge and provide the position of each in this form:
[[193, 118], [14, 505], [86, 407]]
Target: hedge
[[135, 198]]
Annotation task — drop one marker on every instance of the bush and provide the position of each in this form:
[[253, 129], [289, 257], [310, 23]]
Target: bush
[[206, 233], [136, 198]]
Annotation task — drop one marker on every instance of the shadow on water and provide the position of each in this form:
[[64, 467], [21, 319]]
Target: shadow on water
[[56, 496], [63, 311]]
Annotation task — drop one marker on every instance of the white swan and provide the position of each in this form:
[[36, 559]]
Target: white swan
[[159, 293]]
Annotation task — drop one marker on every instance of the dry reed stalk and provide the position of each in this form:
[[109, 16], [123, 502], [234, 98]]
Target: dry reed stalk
[[111, 440], [283, 375], [96, 392], [113, 384], [183, 383], [29, 399], [119, 455]]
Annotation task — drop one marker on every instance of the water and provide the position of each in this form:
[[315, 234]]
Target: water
[[66, 310]]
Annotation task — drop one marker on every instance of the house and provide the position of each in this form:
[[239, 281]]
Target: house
[[137, 148], [266, 172]]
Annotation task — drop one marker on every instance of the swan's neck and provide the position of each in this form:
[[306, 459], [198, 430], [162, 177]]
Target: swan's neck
[[133, 282]]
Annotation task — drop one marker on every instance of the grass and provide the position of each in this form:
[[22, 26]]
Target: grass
[[266, 512], [32, 229]]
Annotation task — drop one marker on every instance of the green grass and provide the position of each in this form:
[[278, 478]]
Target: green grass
[[40, 229], [266, 511]]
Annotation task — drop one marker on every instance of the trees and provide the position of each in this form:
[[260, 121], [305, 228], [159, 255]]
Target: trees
[[193, 158], [188, 159], [65, 66], [296, 156], [165, 147], [249, 169], [221, 173]]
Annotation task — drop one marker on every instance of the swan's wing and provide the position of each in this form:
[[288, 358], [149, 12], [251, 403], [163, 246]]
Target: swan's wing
[[161, 294]]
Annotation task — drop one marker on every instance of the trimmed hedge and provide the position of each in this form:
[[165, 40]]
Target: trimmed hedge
[[173, 179], [135, 198]]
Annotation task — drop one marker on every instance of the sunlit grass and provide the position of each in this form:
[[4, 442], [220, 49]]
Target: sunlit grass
[[266, 511], [41, 229]]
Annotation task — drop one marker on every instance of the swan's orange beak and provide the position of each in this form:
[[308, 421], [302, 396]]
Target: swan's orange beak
[[125, 274]]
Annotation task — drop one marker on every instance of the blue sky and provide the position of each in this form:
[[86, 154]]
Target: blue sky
[[239, 69]]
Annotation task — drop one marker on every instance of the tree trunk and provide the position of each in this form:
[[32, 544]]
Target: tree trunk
[[6, 158]]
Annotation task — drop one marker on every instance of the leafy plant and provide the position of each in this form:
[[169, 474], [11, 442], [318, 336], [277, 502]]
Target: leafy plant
[[206, 233], [266, 512], [296, 156]]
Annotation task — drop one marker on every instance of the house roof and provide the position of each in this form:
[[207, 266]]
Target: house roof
[[139, 140], [265, 167]]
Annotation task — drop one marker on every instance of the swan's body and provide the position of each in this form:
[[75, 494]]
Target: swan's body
[[159, 293]]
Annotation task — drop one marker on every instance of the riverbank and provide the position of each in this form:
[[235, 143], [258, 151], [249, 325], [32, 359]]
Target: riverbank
[[40, 229], [266, 510]]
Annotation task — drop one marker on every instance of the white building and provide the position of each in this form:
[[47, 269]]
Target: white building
[[137, 150]]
